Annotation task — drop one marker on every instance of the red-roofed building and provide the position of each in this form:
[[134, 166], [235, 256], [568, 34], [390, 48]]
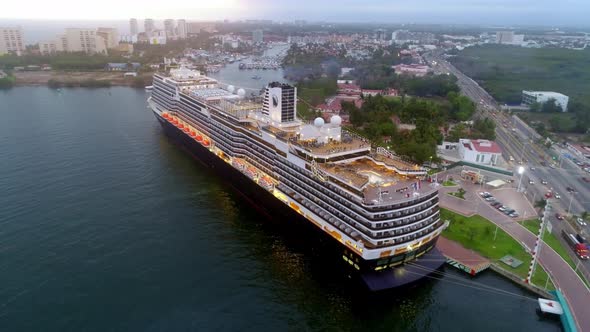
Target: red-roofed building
[[479, 151], [349, 89]]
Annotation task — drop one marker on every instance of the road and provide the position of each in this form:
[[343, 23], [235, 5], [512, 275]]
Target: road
[[517, 142], [562, 275]]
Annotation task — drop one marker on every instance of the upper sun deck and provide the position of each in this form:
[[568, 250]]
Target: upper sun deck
[[378, 181]]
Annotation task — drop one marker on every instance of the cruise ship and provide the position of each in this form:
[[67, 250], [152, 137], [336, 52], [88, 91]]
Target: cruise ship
[[378, 210]]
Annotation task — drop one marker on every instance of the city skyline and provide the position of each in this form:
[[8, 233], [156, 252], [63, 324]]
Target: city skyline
[[525, 12]]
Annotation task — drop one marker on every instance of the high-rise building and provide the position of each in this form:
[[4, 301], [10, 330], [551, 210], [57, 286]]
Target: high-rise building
[[110, 35], [508, 37], [169, 27], [181, 28], [257, 36], [85, 40], [48, 47], [133, 27], [279, 102], [149, 26], [11, 41]]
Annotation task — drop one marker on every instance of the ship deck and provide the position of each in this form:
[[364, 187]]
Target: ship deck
[[378, 183]]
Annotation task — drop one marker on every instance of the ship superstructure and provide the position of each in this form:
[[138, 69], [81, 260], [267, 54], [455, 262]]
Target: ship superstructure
[[378, 207]]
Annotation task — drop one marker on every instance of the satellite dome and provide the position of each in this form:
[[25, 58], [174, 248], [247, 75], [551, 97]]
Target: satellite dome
[[318, 122], [231, 88], [241, 92], [336, 120]]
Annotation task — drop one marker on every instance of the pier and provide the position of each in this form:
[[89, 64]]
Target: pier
[[461, 258]]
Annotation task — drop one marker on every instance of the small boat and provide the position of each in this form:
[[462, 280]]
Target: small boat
[[149, 88], [256, 77]]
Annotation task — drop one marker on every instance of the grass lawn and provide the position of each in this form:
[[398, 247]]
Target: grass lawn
[[477, 233], [550, 239], [448, 183]]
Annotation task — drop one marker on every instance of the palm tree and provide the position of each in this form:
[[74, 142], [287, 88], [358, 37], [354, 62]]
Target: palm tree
[[540, 203]]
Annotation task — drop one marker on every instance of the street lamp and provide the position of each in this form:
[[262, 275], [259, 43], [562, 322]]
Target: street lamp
[[570, 206], [521, 172]]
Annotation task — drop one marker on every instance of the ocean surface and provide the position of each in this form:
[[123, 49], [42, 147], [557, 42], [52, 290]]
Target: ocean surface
[[106, 225]]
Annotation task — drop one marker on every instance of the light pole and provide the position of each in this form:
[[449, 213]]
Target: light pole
[[570, 205], [521, 172]]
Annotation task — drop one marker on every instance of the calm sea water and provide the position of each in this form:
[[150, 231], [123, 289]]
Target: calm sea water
[[105, 225], [243, 78]]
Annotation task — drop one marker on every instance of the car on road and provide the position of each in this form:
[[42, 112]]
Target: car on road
[[570, 190], [543, 181], [548, 194], [585, 179], [558, 196], [559, 216], [532, 168], [543, 163], [531, 181], [581, 222]]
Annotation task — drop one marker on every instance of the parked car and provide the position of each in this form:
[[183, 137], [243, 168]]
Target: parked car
[[503, 208], [484, 194], [514, 215], [548, 194], [490, 198], [509, 211], [559, 216], [581, 222], [570, 190], [496, 204], [558, 196], [585, 179]]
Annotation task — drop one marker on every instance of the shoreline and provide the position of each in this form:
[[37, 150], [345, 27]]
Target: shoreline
[[59, 79]]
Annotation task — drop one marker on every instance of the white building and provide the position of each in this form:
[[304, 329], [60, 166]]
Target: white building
[[11, 41], [169, 28], [84, 40], [479, 151], [530, 97], [48, 47], [181, 28], [149, 25], [133, 29], [158, 37], [509, 38], [413, 69], [110, 35]]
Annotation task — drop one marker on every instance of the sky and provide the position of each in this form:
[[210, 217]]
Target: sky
[[526, 12]]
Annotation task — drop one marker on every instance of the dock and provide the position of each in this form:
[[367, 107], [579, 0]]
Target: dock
[[461, 258]]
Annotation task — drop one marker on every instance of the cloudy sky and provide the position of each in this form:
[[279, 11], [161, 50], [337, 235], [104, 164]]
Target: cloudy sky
[[544, 12]]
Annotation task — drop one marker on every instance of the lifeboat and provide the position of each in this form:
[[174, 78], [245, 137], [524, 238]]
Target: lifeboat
[[192, 134], [186, 130], [206, 142], [174, 121], [199, 138], [181, 126]]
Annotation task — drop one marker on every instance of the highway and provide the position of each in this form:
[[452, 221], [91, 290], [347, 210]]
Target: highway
[[517, 142]]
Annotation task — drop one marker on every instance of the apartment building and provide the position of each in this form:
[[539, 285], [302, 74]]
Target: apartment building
[[11, 41]]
